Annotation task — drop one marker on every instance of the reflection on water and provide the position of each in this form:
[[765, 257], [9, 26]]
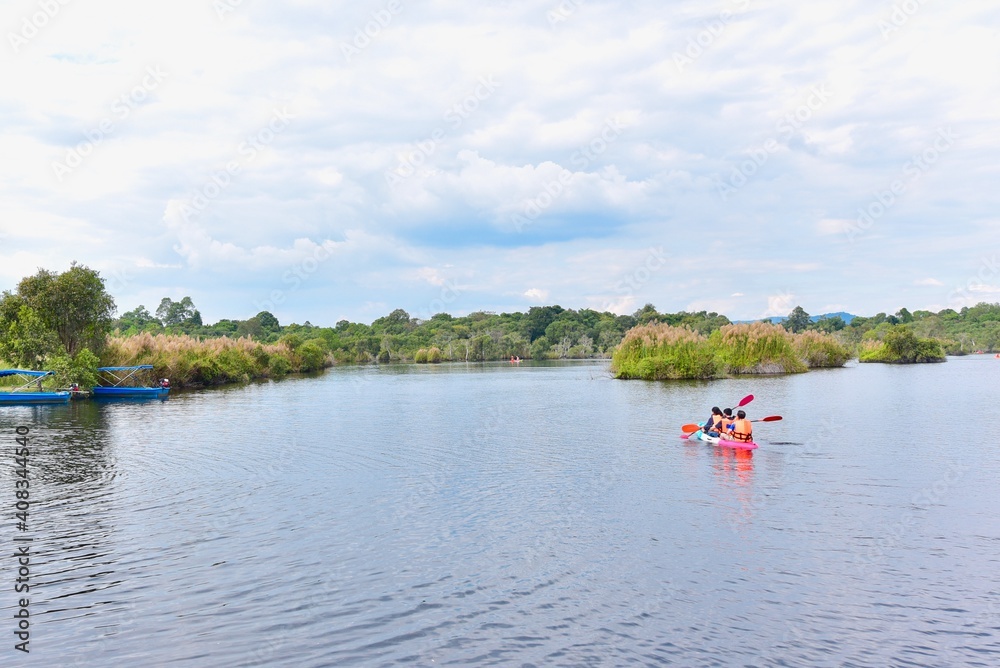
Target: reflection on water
[[540, 514]]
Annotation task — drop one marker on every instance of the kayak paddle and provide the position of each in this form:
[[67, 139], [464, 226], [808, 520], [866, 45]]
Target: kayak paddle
[[689, 429]]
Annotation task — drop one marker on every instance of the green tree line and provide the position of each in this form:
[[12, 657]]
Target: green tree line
[[65, 321], [543, 332], [962, 332]]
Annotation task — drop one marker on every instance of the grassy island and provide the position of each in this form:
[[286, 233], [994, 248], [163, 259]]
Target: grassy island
[[900, 345], [658, 351], [664, 352]]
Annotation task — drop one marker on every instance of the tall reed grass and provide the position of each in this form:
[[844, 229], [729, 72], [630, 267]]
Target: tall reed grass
[[657, 351], [756, 348], [187, 361], [819, 349]]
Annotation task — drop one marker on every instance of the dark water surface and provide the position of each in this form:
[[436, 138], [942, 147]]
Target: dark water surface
[[491, 515]]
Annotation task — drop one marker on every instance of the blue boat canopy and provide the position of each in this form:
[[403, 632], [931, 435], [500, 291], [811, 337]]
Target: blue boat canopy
[[125, 368], [23, 372]]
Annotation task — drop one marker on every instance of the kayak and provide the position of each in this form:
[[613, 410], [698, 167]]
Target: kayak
[[723, 442]]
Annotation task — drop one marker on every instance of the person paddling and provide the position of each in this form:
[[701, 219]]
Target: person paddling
[[714, 423], [742, 429], [727, 420]]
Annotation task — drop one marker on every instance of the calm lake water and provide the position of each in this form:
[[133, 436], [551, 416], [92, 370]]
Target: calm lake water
[[541, 515]]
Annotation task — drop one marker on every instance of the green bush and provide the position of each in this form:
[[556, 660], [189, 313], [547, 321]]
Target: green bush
[[261, 357], [312, 355], [206, 371], [541, 348], [420, 357], [235, 364], [81, 369], [279, 365], [899, 345], [434, 355]]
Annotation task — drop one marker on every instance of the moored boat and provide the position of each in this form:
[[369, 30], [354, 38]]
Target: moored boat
[[22, 394], [123, 382]]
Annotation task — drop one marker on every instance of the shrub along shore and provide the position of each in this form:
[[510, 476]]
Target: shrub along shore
[[191, 362]]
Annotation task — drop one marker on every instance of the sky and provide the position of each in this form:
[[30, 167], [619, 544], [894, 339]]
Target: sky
[[327, 160]]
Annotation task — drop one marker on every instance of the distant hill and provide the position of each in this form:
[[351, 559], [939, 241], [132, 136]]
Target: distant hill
[[846, 317]]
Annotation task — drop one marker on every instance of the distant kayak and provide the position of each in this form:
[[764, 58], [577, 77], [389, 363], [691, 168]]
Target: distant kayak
[[723, 442]]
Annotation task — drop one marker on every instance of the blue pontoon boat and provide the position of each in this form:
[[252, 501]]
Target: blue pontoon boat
[[23, 394], [123, 382]]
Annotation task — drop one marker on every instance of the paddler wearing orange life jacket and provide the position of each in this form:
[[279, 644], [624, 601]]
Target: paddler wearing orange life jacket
[[741, 430], [714, 423], [727, 420]]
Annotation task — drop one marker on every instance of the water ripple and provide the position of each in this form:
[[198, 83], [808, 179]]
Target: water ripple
[[491, 515]]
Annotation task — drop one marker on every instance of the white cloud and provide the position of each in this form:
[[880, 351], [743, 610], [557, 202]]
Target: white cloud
[[779, 305], [932, 282], [536, 295], [617, 304], [831, 226], [202, 251], [319, 187], [328, 177]]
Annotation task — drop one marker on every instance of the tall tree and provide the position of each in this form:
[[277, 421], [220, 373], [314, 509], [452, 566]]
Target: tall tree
[[798, 320], [172, 313], [25, 341], [397, 322], [73, 305], [830, 325], [646, 314], [268, 322], [537, 319], [138, 318]]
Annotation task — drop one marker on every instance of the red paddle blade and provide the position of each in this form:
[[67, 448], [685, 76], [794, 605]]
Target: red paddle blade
[[745, 400], [770, 418], [690, 428]]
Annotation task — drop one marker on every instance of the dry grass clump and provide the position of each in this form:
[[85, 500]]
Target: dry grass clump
[[819, 349], [756, 348]]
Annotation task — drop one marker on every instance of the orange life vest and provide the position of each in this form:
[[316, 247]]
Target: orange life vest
[[715, 422], [742, 431]]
